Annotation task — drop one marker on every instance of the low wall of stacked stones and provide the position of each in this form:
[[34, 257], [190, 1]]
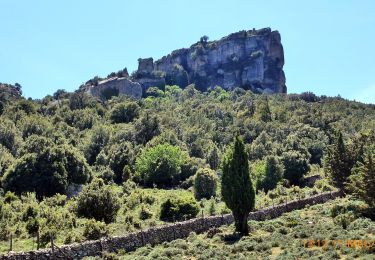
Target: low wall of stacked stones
[[157, 235]]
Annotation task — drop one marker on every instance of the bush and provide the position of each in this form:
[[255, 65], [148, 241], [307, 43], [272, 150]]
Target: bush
[[146, 128], [161, 165], [124, 112], [205, 184], [94, 230], [296, 166], [119, 156], [6, 160], [178, 209], [10, 137], [98, 201], [48, 172], [273, 174], [145, 213], [98, 140], [106, 174]]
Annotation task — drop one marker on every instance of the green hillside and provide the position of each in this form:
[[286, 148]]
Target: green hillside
[[143, 163]]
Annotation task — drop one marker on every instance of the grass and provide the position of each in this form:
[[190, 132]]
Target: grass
[[281, 238], [139, 210]]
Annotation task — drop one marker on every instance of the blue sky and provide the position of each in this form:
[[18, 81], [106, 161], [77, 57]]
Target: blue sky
[[48, 45]]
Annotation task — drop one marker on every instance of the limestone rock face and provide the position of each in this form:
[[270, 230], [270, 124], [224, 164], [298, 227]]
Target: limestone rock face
[[250, 59], [115, 87]]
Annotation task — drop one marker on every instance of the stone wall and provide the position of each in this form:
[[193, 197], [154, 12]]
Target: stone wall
[[161, 234]]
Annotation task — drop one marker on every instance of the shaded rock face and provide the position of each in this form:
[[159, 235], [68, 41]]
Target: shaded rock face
[[114, 87], [249, 59]]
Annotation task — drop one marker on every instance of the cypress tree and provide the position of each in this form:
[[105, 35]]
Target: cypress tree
[[236, 189]]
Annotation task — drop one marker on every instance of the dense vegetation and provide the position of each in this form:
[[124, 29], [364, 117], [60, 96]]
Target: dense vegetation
[[144, 162]]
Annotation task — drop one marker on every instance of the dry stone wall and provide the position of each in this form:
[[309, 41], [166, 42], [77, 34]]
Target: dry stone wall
[[161, 234]]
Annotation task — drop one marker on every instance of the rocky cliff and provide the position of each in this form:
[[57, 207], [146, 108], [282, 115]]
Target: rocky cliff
[[249, 59]]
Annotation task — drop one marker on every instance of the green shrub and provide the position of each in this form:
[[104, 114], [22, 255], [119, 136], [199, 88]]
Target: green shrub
[[273, 174], [106, 174], [6, 160], [205, 184], [94, 230], [48, 172], [120, 155], [98, 201], [178, 209], [145, 213], [160, 165], [124, 112], [296, 166]]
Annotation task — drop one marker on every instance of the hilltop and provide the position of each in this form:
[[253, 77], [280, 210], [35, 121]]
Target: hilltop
[[251, 59]]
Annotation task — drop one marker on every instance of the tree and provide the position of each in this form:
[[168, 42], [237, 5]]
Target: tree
[[161, 165], [274, 171], [48, 172], [213, 158], [146, 128], [60, 93], [10, 137], [204, 39], [263, 111], [119, 156], [362, 182], [336, 163], [6, 160], [296, 166], [80, 100], [205, 183], [98, 201], [236, 188], [98, 140], [124, 112]]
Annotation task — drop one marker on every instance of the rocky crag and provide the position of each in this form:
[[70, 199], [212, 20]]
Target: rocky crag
[[251, 59]]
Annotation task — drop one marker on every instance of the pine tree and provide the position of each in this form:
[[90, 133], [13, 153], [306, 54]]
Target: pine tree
[[237, 189], [337, 163], [362, 182]]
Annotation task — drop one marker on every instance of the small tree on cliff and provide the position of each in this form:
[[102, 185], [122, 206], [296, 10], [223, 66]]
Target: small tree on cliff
[[236, 189]]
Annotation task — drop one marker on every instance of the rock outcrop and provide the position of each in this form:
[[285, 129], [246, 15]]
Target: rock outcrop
[[114, 87], [249, 59]]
